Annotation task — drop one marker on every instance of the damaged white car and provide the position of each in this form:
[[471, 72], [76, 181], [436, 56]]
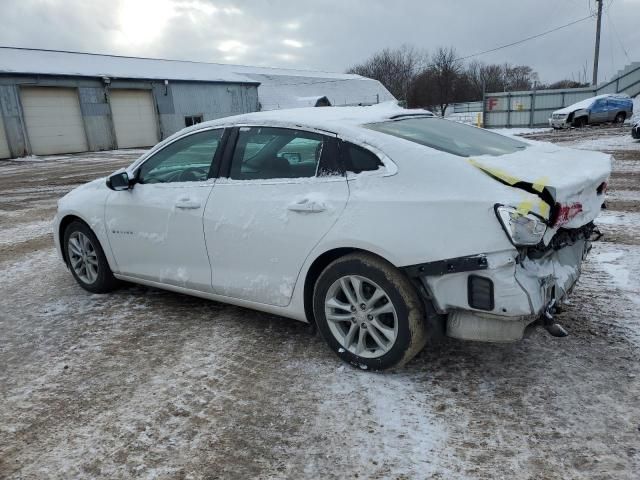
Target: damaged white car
[[382, 226]]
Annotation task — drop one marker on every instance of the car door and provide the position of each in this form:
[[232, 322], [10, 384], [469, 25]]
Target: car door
[[598, 112], [155, 228], [611, 110], [282, 192]]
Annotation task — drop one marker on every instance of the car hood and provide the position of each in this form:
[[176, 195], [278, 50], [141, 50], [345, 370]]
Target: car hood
[[574, 107], [568, 182], [97, 184]]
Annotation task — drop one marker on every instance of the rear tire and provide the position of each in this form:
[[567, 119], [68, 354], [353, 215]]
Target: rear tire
[[620, 117], [369, 313], [87, 260]]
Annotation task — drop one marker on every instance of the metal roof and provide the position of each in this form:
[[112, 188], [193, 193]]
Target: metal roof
[[278, 87]]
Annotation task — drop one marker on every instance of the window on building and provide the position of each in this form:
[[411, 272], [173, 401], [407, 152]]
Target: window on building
[[192, 120]]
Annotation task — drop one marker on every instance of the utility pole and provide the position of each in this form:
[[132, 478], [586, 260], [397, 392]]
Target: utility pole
[[596, 54]]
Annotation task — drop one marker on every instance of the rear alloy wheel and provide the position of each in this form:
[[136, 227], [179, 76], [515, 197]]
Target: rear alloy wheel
[[369, 312], [361, 316], [86, 259], [620, 117]]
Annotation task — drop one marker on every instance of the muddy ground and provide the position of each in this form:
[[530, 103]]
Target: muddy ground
[[144, 383]]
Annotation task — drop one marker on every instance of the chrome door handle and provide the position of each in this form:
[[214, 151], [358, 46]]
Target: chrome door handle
[[187, 204]]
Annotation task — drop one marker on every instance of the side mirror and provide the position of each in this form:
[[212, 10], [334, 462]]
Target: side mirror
[[119, 181]]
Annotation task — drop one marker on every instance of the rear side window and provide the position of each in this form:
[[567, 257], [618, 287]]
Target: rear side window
[[267, 153], [358, 159], [451, 137]]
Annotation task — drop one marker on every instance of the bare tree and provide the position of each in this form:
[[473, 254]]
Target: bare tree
[[484, 78], [441, 83], [394, 68], [438, 80], [519, 77], [563, 84]]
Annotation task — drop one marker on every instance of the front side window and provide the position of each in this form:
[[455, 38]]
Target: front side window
[[186, 160], [451, 137], [267, 152]]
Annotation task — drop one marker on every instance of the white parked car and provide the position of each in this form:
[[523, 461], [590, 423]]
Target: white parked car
[[380, 225]]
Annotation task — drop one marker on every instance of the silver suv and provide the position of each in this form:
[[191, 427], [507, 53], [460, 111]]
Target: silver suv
[[601, 109]]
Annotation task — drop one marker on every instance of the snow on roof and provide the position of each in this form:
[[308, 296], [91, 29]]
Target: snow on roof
[[333, 119], [587, 102], [278, 87], [339, 120], [288, 91], [48, 62]]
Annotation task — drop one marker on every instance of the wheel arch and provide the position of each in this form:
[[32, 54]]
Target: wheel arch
[[67, 220], [317, 267], [64, 223]]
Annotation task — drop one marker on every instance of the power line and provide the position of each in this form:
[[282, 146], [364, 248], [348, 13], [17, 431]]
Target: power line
[[528, 38], [615, 31]]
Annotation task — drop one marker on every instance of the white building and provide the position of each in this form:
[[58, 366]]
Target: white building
[[63, 102]]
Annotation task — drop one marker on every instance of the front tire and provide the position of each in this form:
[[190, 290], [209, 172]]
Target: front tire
[[368, 312], [620, 117], [580, 122], [86, 259]]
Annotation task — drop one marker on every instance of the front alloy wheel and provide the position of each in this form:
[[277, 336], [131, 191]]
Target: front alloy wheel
[[369, 312], [83, 257], [86, 259]]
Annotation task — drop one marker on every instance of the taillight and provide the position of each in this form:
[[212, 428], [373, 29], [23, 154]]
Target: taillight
[[564, 213]]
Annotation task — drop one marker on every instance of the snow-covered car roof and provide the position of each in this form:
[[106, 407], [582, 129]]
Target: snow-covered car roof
[[333, 119], [587, 102], [338, 120]]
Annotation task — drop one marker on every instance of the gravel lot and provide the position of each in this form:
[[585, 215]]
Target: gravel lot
[[149, 384]]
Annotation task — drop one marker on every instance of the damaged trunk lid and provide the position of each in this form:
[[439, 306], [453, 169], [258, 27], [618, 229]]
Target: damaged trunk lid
[[570, 183]]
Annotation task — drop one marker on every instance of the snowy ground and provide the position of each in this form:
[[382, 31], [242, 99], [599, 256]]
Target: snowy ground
[[149, 384]]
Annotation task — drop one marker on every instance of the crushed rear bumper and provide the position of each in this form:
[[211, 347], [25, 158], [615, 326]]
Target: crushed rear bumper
[[496, 302]]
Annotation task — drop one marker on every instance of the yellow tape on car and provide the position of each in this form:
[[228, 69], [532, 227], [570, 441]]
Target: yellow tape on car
[[501, 174]]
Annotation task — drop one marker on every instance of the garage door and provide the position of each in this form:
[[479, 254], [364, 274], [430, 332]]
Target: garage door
[[134, 118], [4, 147], [53, 120]]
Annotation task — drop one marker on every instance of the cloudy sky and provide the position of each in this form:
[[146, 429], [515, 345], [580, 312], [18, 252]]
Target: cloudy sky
[[329, 34]]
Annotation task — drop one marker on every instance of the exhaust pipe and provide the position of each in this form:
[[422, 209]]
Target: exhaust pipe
[[548, 322]]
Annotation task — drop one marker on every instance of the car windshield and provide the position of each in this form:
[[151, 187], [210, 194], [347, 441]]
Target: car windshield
[[451, 137]]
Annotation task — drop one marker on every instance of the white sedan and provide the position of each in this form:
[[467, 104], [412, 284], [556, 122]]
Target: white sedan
[[382, 226]]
